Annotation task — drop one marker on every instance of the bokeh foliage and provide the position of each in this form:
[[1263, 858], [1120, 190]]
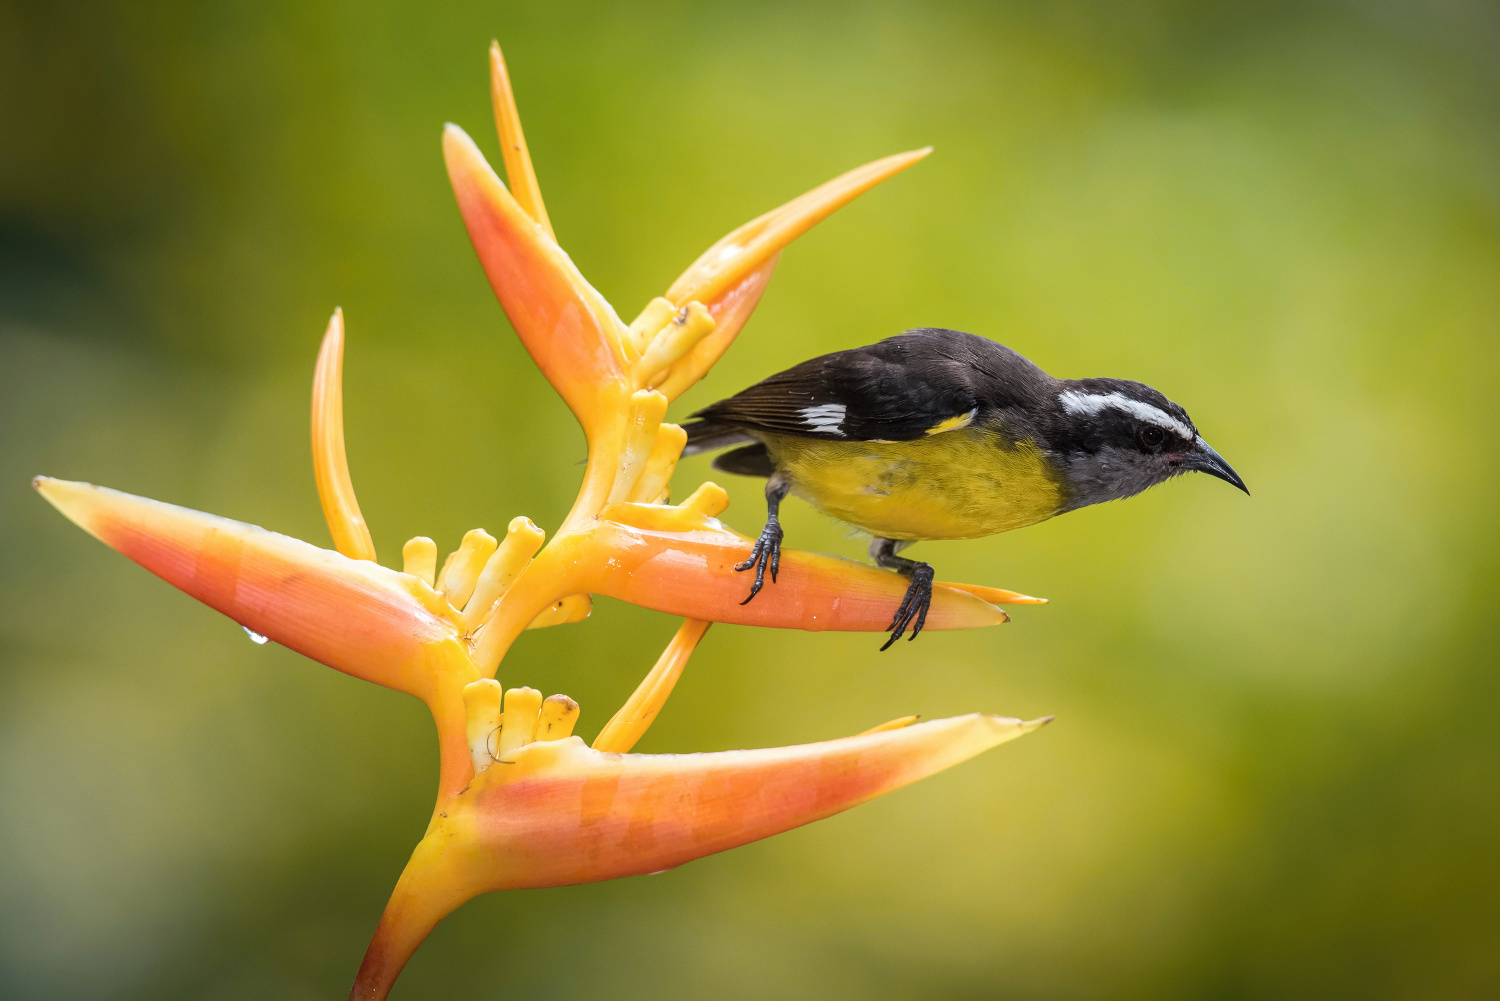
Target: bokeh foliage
[[1275, 766]]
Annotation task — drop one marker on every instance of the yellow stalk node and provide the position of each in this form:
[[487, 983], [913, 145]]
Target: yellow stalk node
[[519, 722], [461, 568], [660, 464], [419, 558], [689, 325], [482, 713], [573, 608], [522, 540], [635, 717], [559, 714], [351, 536], [647, 408]]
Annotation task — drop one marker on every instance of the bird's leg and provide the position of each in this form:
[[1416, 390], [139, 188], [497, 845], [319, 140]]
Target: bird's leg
[[767, 551], [913, 609]]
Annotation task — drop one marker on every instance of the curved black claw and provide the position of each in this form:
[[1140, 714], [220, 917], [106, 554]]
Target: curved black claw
[[913, 609], [767, 552]]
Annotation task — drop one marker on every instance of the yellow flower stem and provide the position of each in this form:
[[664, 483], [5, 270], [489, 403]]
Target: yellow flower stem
[[547, 579], [450, 715], [635, 717], [606, 440], [422, 898]]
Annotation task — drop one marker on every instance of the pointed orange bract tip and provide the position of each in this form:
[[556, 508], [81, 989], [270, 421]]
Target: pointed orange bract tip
[[723, 265], [351, 536], [730, 276], [569, 330], [513, 143], [353, 615], [995, 595], [691, 573], [900, 722]]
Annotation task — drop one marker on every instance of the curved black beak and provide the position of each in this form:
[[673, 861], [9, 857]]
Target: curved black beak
[[1206, 460]]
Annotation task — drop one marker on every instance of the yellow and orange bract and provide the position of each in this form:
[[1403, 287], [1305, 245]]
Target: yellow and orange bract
[[559, 812]]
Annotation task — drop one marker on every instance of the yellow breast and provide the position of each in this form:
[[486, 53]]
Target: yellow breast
[[956, 485]]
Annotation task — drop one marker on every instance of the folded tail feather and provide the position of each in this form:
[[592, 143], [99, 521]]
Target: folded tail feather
[[750, 460], [710, 436]]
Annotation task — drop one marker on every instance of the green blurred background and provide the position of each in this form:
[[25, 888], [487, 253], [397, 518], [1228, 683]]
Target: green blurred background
[[1275, 771]]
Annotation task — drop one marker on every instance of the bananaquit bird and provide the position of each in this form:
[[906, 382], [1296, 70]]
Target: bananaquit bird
[[939, 434]]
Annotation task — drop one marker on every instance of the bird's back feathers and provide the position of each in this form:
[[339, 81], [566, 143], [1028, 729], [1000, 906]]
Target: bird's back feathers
[[917, 383]]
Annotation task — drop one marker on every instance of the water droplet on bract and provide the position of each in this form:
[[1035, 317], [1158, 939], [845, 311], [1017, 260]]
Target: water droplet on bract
[[255, 637]]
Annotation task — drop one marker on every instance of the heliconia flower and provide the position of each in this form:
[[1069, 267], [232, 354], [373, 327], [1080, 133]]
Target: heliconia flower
[[522, 802], [555, 812]]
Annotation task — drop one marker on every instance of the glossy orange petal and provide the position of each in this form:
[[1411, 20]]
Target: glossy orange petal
[[353, 615], [556, 813], [570, 331], [691, 573]]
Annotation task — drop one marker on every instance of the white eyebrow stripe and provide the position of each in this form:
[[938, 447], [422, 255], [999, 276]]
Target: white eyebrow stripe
[[1092, 403], [827, 417]]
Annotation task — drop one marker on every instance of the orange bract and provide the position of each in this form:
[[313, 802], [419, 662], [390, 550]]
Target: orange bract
[[560, 813]]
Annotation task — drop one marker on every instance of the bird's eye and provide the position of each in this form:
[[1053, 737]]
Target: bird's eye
[[1152, 437]]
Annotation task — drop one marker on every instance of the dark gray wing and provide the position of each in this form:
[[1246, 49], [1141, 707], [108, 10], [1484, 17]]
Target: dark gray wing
[[902, 388]]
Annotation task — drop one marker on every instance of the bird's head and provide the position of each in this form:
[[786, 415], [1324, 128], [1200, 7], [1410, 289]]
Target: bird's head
[[1113, 438]]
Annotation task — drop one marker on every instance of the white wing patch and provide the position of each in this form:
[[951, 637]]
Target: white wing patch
[[1092, 403], [826, 418]]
